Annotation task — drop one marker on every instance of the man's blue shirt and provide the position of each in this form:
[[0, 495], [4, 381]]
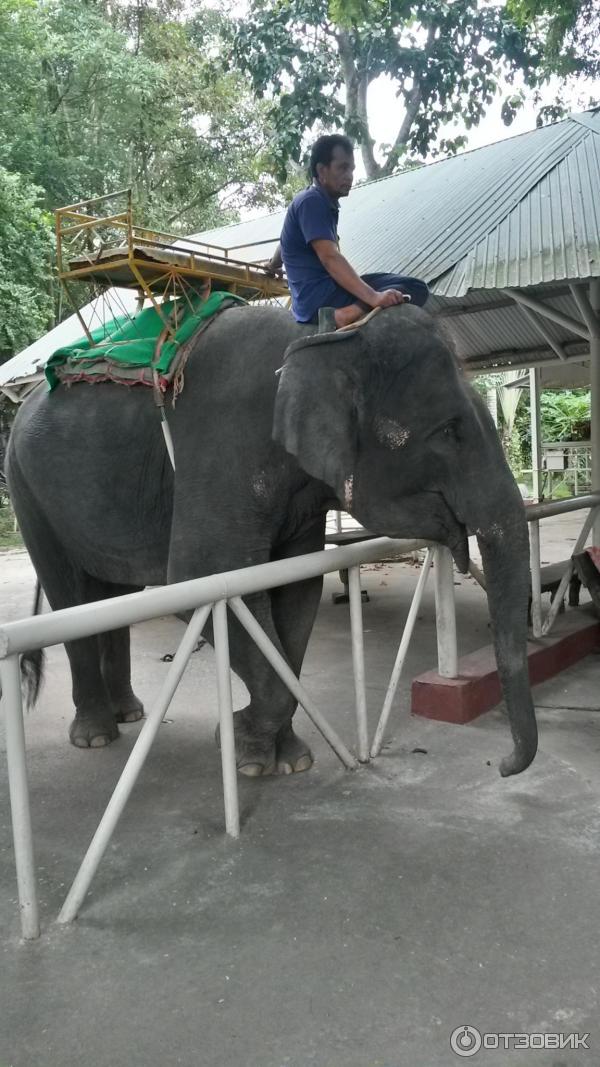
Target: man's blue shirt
[[311, 216]]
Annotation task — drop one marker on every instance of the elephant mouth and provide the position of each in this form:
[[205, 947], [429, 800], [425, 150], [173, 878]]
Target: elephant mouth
[[460, 552]]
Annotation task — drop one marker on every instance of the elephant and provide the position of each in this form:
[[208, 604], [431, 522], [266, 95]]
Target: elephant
[[276, 425]]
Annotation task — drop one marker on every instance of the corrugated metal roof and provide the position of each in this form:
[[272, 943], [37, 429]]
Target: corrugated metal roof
[[522, 212], [551, 234]]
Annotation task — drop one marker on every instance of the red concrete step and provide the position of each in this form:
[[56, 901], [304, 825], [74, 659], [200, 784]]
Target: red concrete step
[[477, 689]]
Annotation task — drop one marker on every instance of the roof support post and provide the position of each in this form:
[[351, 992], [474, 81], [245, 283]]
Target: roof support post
[[595, 397], [536, 431], [541, 328], [586, 310], [549, 312]]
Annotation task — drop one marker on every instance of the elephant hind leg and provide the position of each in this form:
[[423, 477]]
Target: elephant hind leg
[[101, 670], [115, 661], [64, 584]]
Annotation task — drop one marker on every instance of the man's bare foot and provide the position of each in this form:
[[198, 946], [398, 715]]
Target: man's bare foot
[[346, 316]]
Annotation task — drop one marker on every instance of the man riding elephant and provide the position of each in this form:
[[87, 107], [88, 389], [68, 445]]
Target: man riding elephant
[[318, 274]]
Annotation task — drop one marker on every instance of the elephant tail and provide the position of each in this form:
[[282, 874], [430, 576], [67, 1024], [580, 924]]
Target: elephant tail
[[32, 663]]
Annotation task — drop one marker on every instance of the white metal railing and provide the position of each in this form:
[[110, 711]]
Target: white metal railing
[[203, 595], [535, 513]]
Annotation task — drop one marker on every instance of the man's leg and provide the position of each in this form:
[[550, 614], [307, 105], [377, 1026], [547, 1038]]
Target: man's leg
[[348, 309]]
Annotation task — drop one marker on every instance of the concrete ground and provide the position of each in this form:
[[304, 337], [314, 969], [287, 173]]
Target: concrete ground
[[360, 918]]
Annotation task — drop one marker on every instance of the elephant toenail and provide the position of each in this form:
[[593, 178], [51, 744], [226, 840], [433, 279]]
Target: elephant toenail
[[251, 770], [303, 764]]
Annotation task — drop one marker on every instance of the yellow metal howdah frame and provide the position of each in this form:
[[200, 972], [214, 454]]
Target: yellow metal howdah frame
[[112, 251]]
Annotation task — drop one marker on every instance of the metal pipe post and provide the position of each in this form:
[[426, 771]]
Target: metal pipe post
[[535, 420], [445, 613], [561, 507], [288, 677], [228, 764], [358, 663], [535, 565], [401, 655], [131, 771], [595, 398], [10, 680]]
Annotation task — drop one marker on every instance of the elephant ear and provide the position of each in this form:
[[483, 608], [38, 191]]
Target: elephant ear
[[318, 404]]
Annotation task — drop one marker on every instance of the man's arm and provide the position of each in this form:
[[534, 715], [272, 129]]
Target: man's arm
[[344, 274], [275, 263]]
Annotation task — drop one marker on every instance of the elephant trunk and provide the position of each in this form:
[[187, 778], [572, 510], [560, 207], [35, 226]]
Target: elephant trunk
[[504, 546]]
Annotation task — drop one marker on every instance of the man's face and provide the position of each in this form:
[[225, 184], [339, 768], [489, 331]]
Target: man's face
[[336, 178]]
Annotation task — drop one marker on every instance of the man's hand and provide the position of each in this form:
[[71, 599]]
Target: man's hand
[[388, 298], [274, 266]]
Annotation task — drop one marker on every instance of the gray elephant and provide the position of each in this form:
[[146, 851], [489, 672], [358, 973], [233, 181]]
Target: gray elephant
[[379, 419]]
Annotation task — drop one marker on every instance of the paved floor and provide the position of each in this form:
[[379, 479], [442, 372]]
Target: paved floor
[[361, 917]]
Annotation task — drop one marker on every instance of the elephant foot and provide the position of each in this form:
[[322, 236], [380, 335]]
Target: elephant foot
[[89, 731], [129, 708], [292, 753], [259, 755]]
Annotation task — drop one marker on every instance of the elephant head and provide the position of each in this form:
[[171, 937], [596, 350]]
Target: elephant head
[[384, 416]]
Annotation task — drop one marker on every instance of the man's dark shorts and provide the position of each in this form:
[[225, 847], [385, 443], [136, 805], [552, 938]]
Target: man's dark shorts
[[413, 287]]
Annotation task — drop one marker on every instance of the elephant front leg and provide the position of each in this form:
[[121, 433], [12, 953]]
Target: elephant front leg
[[265, 741]]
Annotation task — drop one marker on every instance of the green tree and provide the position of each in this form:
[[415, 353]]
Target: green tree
[[446, 61], [571, 29], [26, 256], [96, 96], [99, 95]]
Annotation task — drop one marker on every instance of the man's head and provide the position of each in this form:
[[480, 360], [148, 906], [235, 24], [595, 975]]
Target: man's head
[[332, 164]]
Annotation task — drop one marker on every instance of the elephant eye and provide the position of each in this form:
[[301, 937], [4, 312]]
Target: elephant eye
[[451, 429]]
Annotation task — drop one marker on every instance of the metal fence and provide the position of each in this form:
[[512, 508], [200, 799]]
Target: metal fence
[[203, 596]]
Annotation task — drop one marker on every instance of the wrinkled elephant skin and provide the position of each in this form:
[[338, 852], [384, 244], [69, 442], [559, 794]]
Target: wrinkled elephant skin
[[379, 419]]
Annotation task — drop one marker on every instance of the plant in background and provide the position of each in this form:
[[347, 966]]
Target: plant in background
[[26, 259], [565, 415]]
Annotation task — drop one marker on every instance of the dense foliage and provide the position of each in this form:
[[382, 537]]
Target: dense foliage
[[98, 95], [565, 416], [571, 30], [26, 256]]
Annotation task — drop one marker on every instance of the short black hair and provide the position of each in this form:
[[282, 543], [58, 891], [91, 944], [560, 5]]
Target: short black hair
[[322, 150]]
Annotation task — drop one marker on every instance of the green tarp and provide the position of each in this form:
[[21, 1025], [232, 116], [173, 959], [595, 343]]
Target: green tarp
[[123, 349]]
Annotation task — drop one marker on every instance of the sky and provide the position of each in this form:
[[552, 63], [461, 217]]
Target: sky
[[385, 114]]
